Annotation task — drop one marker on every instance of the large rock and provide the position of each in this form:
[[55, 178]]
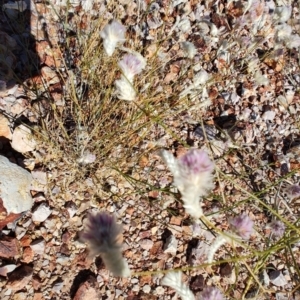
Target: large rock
[[15, 185], [22, 139]]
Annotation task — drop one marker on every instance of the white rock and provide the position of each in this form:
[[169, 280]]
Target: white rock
[[39, 181], [277, 278], [38, 247], [160, 290], [22, 140], [41, 213], [57, 287], [269, 115], [171, 245], [146, 288], [14, 187]]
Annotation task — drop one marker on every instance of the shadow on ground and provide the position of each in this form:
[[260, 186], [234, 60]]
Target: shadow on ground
[[18, 59]]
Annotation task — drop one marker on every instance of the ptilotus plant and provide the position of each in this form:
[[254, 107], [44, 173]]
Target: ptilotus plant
[[130, 65], [241, 227], [193, 177], [174, 280], [104, 237], [112, 34]]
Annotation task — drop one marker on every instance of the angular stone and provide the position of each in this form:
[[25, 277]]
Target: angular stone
[[87, 290], [41, 213], [49, 75], [171, 245], [15, 185], [277, 278], [5, 130], [9, 247], [7, 269], [38, 246], [19, 278], [146, 244], [22, 139]]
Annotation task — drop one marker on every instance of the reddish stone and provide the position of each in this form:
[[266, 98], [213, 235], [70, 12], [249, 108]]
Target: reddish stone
[[19, 278], [9, 247], [87, 290], [28, 255], [4, 218]]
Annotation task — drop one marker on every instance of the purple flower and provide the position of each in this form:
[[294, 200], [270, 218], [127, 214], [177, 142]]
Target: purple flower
[[242, 225], [211, 293], [293, 191], [196, 162], [277, 228], [104, 237], [132, 65], [112, 34], [101, 233], [193, 178]]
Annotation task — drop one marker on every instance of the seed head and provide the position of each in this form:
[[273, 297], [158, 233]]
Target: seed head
[[278, 228], [195, 162], [242, 225], [112, 34], [132, 65], [293, 191], [101, 233]]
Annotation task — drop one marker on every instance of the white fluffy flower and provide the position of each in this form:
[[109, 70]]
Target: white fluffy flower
[[173, 280], [189, 49], [125, 90], [131, 65], [112, 34], [193, 178]]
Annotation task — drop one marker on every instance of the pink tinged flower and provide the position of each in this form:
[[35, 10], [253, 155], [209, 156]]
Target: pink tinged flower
[[132, 65], [193, 178], [195, 162], [242, 225], [112, 34], [104, 237], [211, 293], [277, 228], [293, 191]]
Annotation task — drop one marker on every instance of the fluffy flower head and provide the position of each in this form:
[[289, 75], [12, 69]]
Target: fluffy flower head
[[124, 89], [189, 49], [173, 280], [293, 191], [112, 34], [277, 228], [242, 225], [195, 162], [192, 176], [211, 293], [104, 237], [132, 65], [101, 233]]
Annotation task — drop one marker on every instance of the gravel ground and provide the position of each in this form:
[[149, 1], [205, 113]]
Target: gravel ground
[[240, 92]]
